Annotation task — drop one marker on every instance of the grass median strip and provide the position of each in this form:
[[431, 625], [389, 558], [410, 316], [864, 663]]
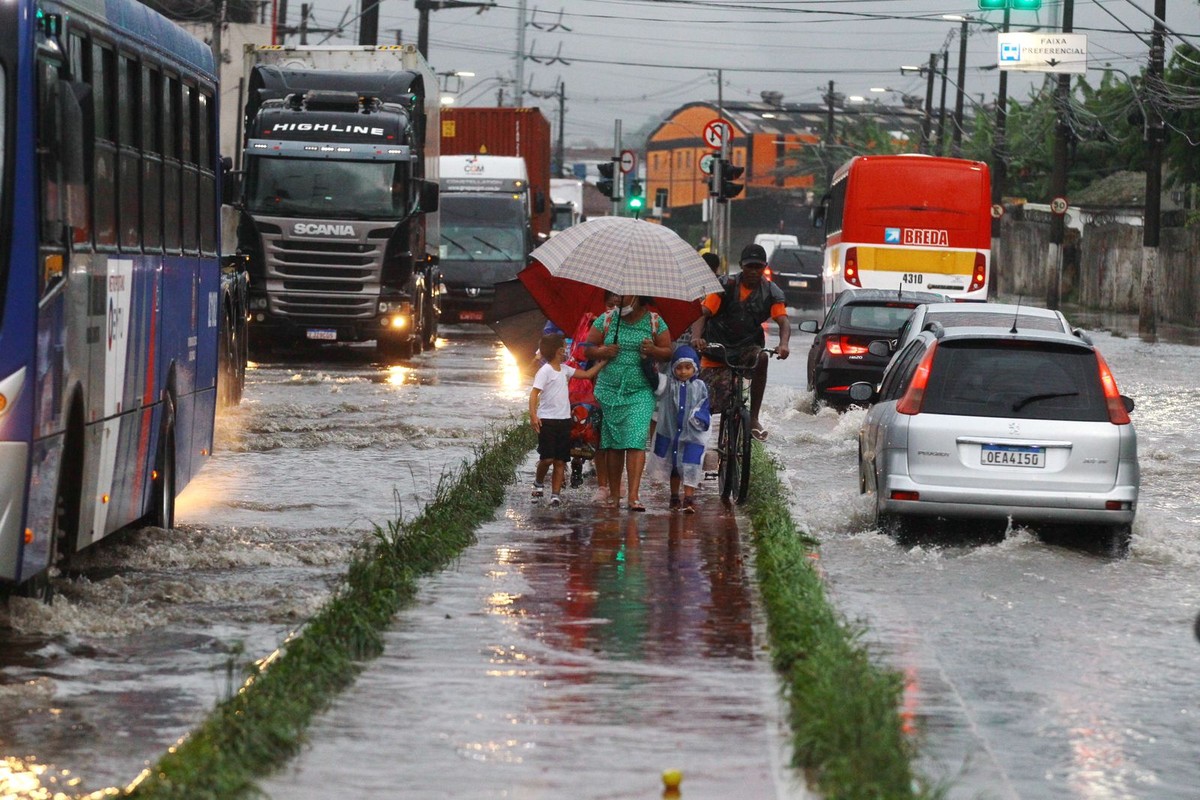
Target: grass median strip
[[263, 724], [848, 735]]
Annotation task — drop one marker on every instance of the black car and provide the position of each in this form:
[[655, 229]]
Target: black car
[[839, 354], [797, 270]]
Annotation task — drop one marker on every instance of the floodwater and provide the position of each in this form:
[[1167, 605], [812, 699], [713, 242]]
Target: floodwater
[[573, 653]]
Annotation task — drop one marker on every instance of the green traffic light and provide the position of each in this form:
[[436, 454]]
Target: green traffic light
[[1016, 5], [636, 203]]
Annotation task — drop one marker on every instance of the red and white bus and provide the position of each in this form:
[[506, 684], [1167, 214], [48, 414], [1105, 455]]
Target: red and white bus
[[908, 222]]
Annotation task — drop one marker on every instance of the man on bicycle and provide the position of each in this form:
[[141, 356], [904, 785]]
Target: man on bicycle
[[734, 318]]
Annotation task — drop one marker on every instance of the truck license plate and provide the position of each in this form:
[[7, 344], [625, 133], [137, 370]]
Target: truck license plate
[[470, 316], [322, 334], [1002, 455], [800, 284]]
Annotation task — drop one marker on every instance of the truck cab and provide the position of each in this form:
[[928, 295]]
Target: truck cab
[[486, 230]]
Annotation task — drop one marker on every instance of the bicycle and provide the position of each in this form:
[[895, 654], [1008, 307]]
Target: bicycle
[[733, 437]]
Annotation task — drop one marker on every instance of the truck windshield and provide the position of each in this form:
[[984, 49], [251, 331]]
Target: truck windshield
[[291, 187], [479, 228], [564, 217]]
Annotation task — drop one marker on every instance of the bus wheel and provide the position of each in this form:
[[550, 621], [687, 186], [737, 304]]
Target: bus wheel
[[226, 375], [162, 510], [63, 523]]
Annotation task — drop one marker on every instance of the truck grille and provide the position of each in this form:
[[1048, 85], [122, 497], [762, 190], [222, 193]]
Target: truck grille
[[314, 278]]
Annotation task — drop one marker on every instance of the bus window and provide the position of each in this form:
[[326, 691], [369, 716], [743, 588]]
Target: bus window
[[104, 185], [171, 178], [208, 180], [190, 183], [152, 174], [127, 98]]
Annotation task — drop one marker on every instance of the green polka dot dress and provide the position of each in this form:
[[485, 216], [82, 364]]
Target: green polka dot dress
[[626, 399]]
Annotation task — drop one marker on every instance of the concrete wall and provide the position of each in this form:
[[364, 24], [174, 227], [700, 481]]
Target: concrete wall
[[1102, 266]]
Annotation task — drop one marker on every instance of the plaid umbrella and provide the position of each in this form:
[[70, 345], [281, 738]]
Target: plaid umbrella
[[564, 301], [628, 256]]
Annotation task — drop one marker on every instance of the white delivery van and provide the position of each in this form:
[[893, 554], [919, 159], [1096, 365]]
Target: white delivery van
[[770, 241]]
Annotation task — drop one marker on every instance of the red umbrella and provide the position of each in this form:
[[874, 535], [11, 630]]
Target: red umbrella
[[565, 301]]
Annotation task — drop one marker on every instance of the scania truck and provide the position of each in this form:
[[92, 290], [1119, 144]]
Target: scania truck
[[339, 205]]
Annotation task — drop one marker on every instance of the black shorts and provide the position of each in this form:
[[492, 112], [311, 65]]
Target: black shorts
[[554, 440]]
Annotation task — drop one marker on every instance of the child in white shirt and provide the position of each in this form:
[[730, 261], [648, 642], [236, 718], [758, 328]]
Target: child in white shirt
[[550, 413]]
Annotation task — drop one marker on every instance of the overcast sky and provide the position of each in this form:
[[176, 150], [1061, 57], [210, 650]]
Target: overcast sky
[[636, 60]]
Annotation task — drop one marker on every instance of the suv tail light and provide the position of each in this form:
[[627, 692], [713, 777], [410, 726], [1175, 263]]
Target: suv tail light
[[914, 395], [850, 268], [1117, 414], [979, 274], [844, 346]]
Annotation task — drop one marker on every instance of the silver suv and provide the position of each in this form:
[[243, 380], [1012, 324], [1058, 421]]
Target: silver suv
[[986, 423]]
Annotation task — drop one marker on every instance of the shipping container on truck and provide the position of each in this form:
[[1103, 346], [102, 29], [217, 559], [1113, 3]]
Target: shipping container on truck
[[339, 203], [521, 132]]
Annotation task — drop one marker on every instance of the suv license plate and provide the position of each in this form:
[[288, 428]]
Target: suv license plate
[[799, 284], [322, 334], [470, 316], [1000, 455]]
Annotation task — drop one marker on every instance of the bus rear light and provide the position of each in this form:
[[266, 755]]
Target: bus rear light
[[979, 274], [898, 495], [914, 396], [1117, 414], [850, 269]]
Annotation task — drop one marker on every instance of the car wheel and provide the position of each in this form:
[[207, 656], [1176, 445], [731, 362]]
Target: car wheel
[[1118, 539]]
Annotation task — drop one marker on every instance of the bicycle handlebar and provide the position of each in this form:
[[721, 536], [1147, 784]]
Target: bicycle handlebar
[[719, 352]]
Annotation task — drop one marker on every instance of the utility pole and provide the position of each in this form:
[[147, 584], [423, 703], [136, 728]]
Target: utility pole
[[829, 137], [218, 26], [618, 178], [281, 23], [1151, 225], [304, 23], [562, 110], [927, 120], [425, 6], [368, 25], [1058, 175], [999, 166], [956, 137], [520, 65], [941, 140]]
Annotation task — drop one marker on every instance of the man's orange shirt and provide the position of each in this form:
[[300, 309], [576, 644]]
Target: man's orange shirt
[[713, 303]]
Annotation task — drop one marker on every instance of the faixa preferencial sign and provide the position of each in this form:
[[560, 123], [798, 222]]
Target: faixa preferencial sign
[[1043, 52], [926, 237]]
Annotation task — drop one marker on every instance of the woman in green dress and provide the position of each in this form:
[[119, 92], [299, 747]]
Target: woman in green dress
[[622, 336]]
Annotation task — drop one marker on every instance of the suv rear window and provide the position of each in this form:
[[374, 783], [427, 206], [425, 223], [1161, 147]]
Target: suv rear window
[[879, 317], [990, 319], [1025, 380], [789, 259]]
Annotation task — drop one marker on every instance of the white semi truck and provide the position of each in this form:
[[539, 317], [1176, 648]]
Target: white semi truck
[[339, 196], [486, 230], [566, 197]]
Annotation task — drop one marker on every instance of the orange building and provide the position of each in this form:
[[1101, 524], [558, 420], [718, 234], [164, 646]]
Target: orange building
[[768, 138]]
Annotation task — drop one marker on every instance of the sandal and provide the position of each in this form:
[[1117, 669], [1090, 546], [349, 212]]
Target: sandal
[[689, 506], [636, 506], [674, 505], [759, 432]]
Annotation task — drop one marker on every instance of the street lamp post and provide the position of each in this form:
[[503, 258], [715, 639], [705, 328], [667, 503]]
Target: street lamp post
[[999, 165]]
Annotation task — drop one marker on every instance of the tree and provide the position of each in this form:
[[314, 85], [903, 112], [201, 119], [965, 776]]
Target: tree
[[1180, 97]]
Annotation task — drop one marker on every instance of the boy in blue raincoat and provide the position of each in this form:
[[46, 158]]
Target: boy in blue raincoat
[[683, 421]]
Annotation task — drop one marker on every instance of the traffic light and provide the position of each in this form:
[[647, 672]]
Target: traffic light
[[1016, 5], [637, 199], [607, 186], [729, 173]]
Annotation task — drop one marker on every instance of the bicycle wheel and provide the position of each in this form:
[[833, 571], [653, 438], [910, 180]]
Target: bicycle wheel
[[724, 485], [741, 446], [734, 477]]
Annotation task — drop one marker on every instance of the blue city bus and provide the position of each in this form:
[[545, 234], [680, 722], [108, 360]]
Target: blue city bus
[[109, 275]]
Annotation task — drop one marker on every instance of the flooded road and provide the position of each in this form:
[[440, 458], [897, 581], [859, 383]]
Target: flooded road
[[1037, 669], [569, 654]]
